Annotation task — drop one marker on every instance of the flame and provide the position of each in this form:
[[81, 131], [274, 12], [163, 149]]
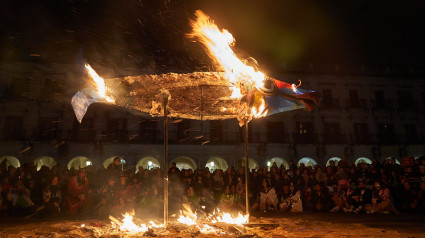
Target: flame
[[260, 110], [227, 218], [100, 84], [218, 44], [127, 224], [189, 218]]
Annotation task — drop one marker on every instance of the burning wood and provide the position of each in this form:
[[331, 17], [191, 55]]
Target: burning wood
[[218, 223]]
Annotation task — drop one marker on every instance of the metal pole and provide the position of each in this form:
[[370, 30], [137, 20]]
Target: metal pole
[[165, 103], [246, 170]]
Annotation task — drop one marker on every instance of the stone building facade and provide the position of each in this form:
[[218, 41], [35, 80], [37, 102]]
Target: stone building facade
[[364, 113]]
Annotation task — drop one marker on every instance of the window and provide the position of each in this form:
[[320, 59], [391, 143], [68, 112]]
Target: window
[[386, 133], [148, 131], [83, 131], [361, 133], [19, 88], [116, 129], [275, 132], [333, 133], [411, 134], [51, 89], [12, 128], [242, 131], [48, 128], [379, 99], [328, 101], [405, 100], [304, 128], [304, 133], [216, 131], [354, 98], [183, 131]]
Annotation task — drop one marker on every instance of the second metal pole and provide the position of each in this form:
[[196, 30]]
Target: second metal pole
[[246, 170], [165, 103]]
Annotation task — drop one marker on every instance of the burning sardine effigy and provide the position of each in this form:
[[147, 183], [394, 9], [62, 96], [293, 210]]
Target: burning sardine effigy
[[239, 91]]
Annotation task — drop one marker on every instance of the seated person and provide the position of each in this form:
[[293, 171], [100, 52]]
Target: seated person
[[111, 201], [320, 198], [268, 197], [381, 200], [360, 198]]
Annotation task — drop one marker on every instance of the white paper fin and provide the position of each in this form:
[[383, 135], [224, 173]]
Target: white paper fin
[[80, 103]]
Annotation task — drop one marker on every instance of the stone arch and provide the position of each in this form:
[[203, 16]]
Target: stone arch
[[79, 162], [184, 163], [363, 160], [10, 160], [147, 163], [279, 161], [335, 159], [307, 161], [252, 163], [216, 163], [46, 161], [109, 161]]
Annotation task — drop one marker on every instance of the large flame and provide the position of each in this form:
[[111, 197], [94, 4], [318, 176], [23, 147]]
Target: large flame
[[227, 218], [100, 84], [187, 217], [218, 44], [127, 224]]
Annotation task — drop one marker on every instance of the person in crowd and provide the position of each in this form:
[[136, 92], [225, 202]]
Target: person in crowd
[[331, 169], [408, 198], [76, 192], [218, 184], [341, 174], [19, 196], [227, 200], [320, 198], [111, 201], [321, 176], [268, 197], [3, 202], [191, 198], [52, 199], [130, 194], [114, 169], [381, 200], [360, 198], [340, 197], [421, 197]]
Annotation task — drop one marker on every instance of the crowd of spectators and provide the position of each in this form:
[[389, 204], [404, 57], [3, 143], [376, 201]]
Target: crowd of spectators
[[364, 188]]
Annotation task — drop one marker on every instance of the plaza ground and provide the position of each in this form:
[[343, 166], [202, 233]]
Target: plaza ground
[[262, 225]]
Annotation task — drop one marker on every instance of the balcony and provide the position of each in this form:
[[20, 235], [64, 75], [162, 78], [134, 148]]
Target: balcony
[[360, 104], [382, 106], [82, 135], [309, 138], [389, 139], [362, 139], [335, 139], [332, 104]]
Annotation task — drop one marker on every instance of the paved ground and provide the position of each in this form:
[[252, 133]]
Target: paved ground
[[268, 225]]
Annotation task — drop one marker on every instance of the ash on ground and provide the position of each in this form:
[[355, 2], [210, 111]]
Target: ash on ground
[[258, 227]]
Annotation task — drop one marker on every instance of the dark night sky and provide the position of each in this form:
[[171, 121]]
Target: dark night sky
[[332, 31]]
